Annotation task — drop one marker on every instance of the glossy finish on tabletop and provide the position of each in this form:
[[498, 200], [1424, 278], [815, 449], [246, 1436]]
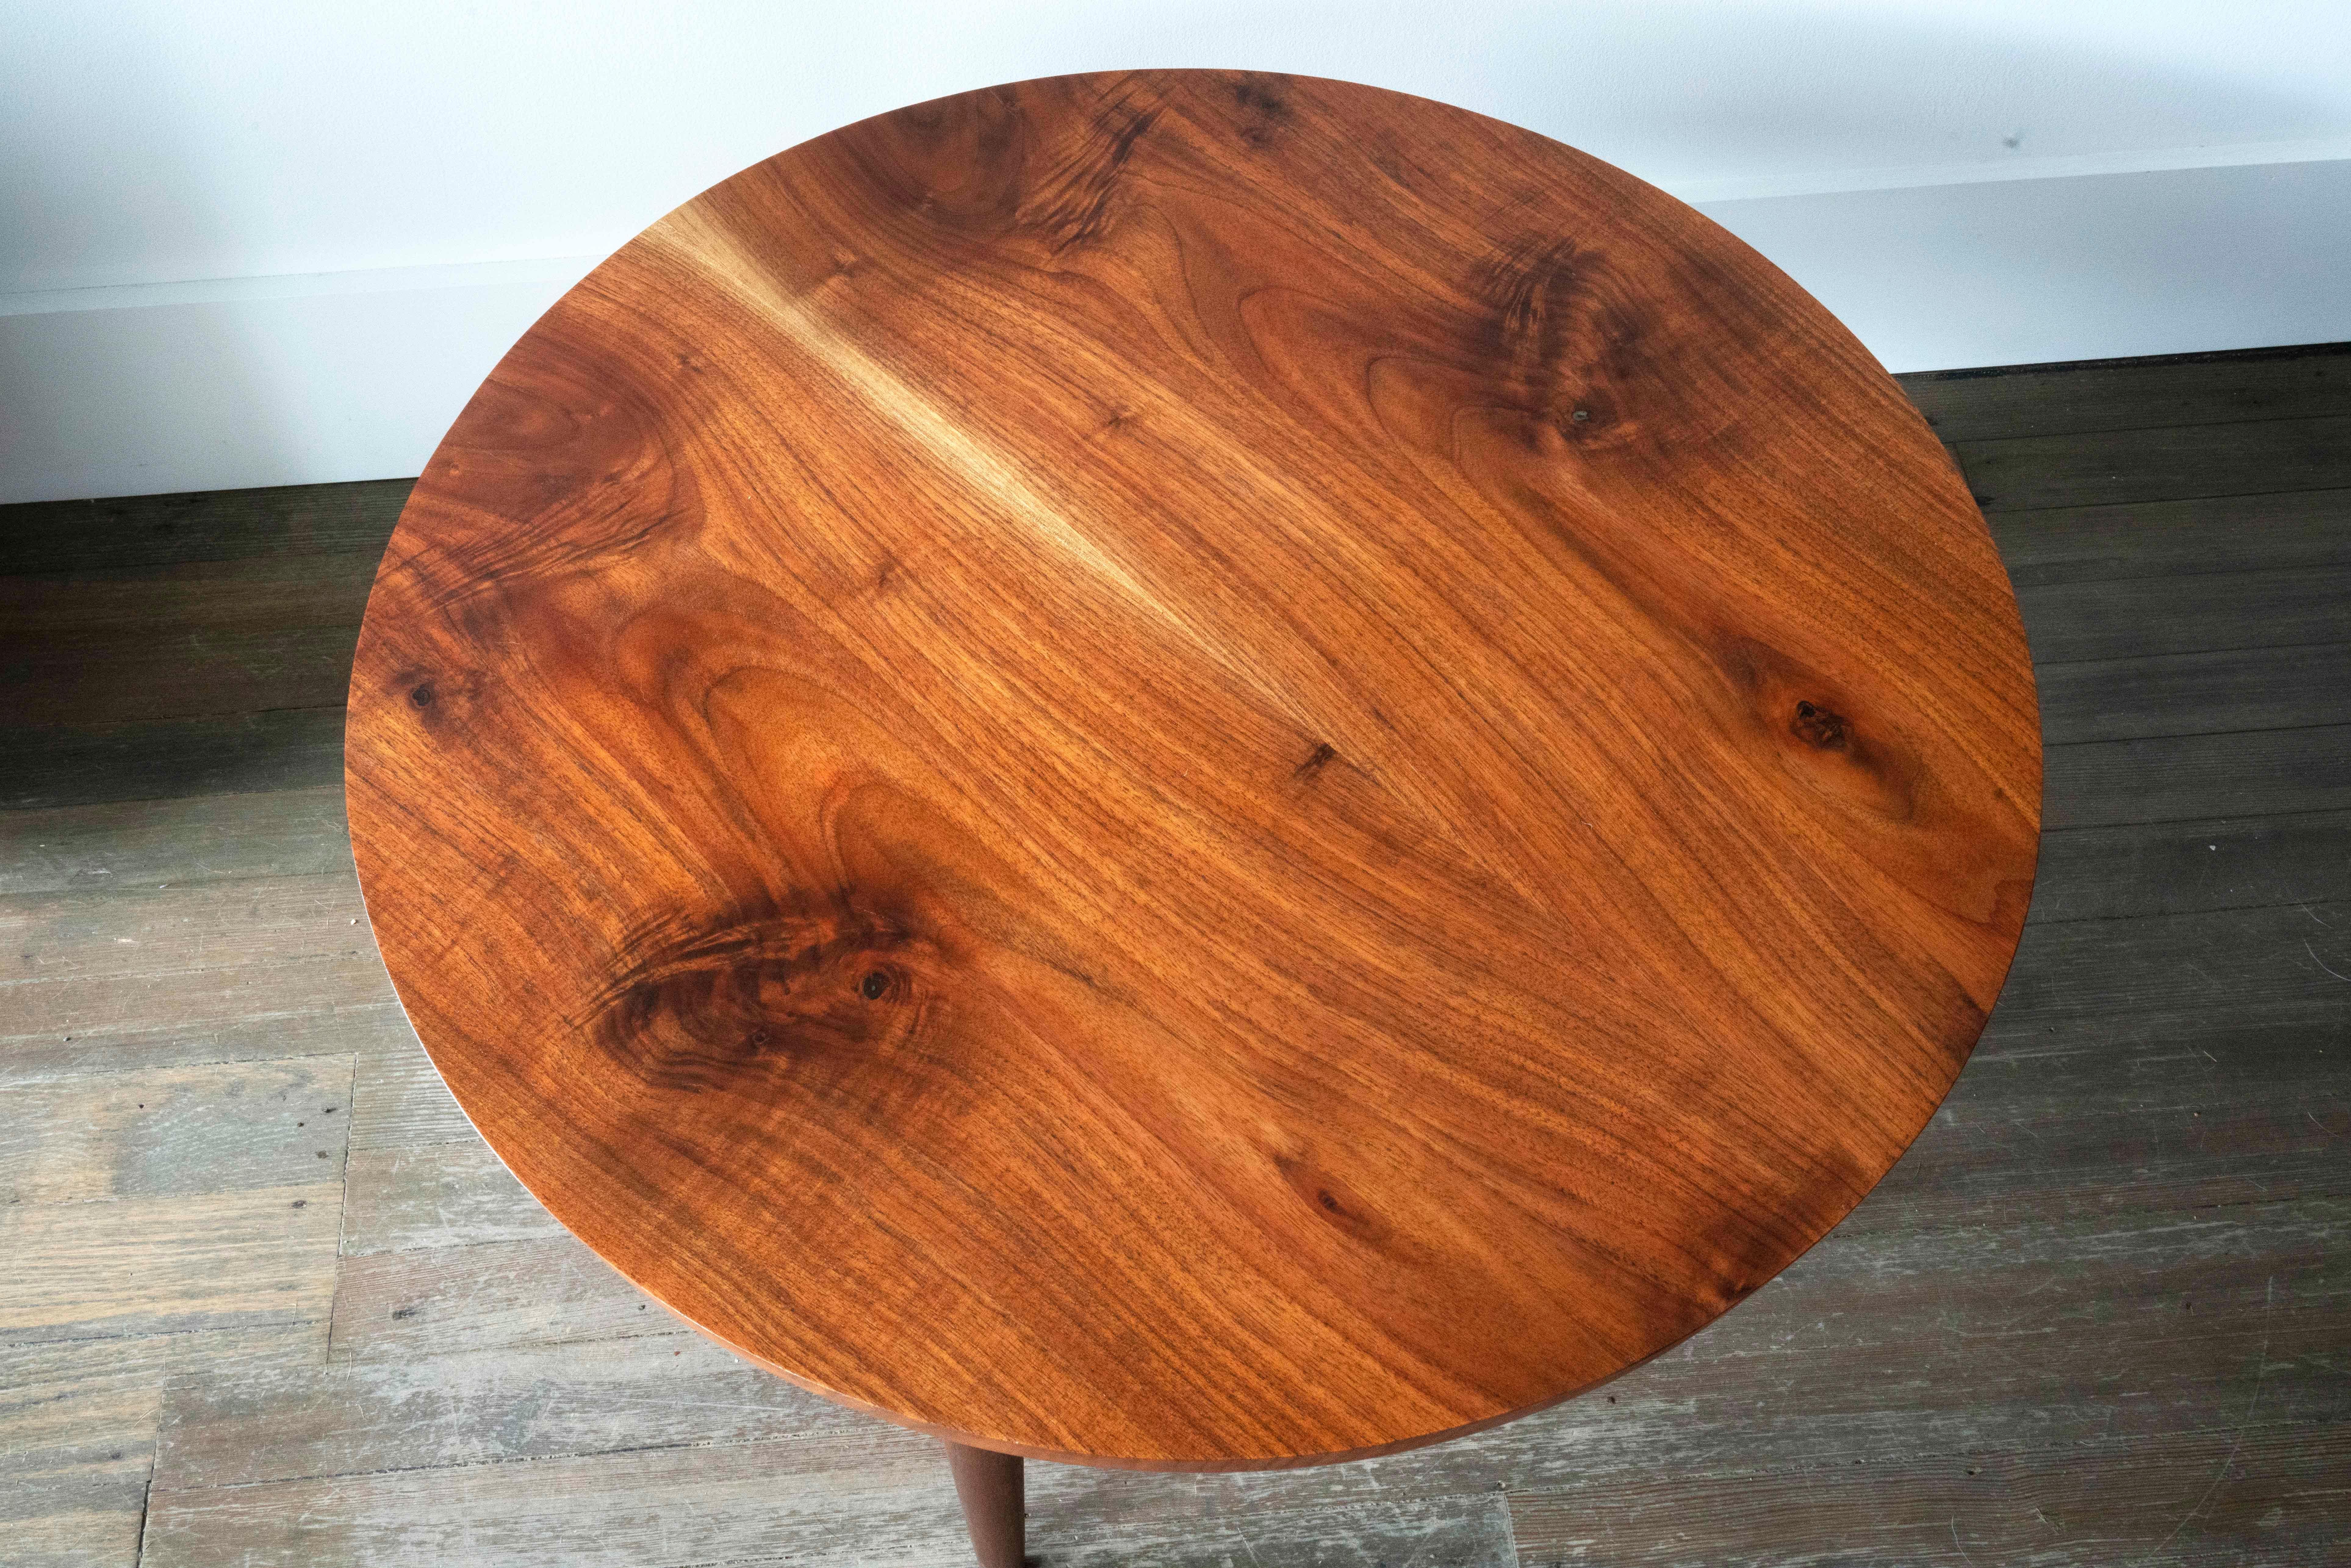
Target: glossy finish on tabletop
[[1194, 770]]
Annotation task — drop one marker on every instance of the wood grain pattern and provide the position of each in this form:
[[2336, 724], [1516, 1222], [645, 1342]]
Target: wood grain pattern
[[1191, 769]]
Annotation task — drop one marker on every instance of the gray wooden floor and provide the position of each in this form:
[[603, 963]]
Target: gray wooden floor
[[265, 1298]]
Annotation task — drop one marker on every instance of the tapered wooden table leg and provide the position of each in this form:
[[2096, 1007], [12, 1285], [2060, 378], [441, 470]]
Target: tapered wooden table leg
[[994, 1507]]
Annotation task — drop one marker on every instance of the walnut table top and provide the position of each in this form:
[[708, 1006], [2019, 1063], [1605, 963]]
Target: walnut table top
[[1194, 770]]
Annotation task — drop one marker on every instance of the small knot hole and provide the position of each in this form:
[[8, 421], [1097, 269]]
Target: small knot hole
[[1817, 726]]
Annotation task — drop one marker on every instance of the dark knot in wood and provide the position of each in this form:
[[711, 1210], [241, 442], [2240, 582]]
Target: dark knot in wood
[[766, 990], [1818, 727]]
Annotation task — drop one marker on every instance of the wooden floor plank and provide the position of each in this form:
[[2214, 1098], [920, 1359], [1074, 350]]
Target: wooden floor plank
[[399, 1102], [2266, 1494], [261, 593], [879, 1497], [2027, 1268], [177, 674], [2179, 463], [74, 1462], [85, 1398], [439, 1195], [2180, 868], [249, 1259], [500, 1295], [77, 1428], [2281, 961], [2136, 617], [120, 932], [2134, 394], [2304, 530], [175, 759], [147, 976], [1988, 1153], [2159, 1057], [357, 1417], [1460, 1532], [142, 977], [198, 639], [175, 1131], [214, 838], [85, 1517], [341, 1005], [148, 532], [2224, 692], [2170, 778]]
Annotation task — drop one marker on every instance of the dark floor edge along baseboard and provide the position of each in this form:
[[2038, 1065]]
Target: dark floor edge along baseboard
[[2148, 362]]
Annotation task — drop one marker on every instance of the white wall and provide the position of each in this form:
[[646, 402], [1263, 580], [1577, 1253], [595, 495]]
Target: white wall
[[258, 243]]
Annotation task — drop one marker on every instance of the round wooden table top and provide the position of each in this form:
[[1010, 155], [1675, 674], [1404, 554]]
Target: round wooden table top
[[1194, 770]]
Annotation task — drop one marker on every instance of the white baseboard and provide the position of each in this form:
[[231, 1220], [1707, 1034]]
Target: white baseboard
[[221, 393], [354, 376]]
